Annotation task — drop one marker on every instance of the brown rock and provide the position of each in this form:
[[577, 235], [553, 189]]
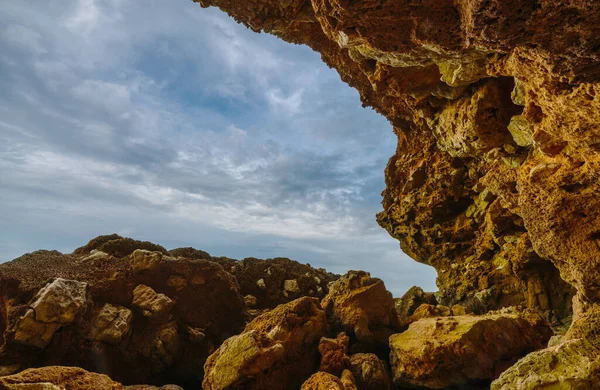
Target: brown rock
[[411, 300], [453, 351], [105, 329], [334, 354], [57, 377], [323, 381], [574, 364], [370, 372], [361, 306], [276, 350]]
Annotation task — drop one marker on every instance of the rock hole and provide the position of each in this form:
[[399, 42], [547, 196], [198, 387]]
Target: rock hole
[[571, 188]]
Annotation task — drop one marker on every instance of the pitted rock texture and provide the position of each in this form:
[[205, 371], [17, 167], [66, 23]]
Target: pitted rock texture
[[437, 353], [58, 378], [278, 349]]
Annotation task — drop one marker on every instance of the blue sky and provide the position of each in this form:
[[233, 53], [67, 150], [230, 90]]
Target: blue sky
[[163, 121]]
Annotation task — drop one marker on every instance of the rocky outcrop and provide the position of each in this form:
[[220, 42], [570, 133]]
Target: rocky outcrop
[[143, 318], [436, 353], [276, 350]]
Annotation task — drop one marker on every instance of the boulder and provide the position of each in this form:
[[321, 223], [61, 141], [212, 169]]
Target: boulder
[[57, 377], [370, 372], [574, 364], [411, 300], [143, 260], [55, 305], [151, 303], [362, 307], [458, 351], [278, 349]]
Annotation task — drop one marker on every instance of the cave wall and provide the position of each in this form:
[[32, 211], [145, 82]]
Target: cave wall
[[495, 181]]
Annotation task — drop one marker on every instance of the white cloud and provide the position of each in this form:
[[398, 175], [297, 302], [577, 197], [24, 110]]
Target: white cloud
[[173, 123]]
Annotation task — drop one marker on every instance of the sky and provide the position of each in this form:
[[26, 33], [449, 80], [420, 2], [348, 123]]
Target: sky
[[162, 121]]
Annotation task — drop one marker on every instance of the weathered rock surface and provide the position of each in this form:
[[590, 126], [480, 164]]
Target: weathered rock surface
[[362, 307], [276, 350], [57, 378], [574, 364], [411, 300], [451, 351]]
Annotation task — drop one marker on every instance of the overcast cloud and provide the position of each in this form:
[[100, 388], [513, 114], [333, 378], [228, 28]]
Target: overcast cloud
[[166, 122]]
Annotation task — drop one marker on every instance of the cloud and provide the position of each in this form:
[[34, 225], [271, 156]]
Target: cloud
[[172, 123]]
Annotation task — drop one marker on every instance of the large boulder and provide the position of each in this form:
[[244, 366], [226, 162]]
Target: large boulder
[[574, 364], [458, 351], [362, 307], [276, 350]]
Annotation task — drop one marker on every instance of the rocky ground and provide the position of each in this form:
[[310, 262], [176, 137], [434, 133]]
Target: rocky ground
[[119, 313]]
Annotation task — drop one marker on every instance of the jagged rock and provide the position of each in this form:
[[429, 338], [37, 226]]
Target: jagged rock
[[574, 364], [111, 324], [276, 350], [143, 260], [56, 304], [148, 387], [151, 303], [334, 354], [109, 333], [362, 306], [57, 377], [370, 372], [451, 351]]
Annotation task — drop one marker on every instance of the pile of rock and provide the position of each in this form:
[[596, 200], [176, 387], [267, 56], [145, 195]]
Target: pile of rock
[[150, 317]]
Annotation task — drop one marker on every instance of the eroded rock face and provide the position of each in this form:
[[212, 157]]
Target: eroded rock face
[[57, 378], [452, 351], [370, 372], [276, 350]]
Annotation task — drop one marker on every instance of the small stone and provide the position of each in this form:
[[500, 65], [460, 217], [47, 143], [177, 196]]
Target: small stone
[[143, 260], [59, 301], [111, 324], [291, 286], [521, 131], [151, 303], [261, 284]]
